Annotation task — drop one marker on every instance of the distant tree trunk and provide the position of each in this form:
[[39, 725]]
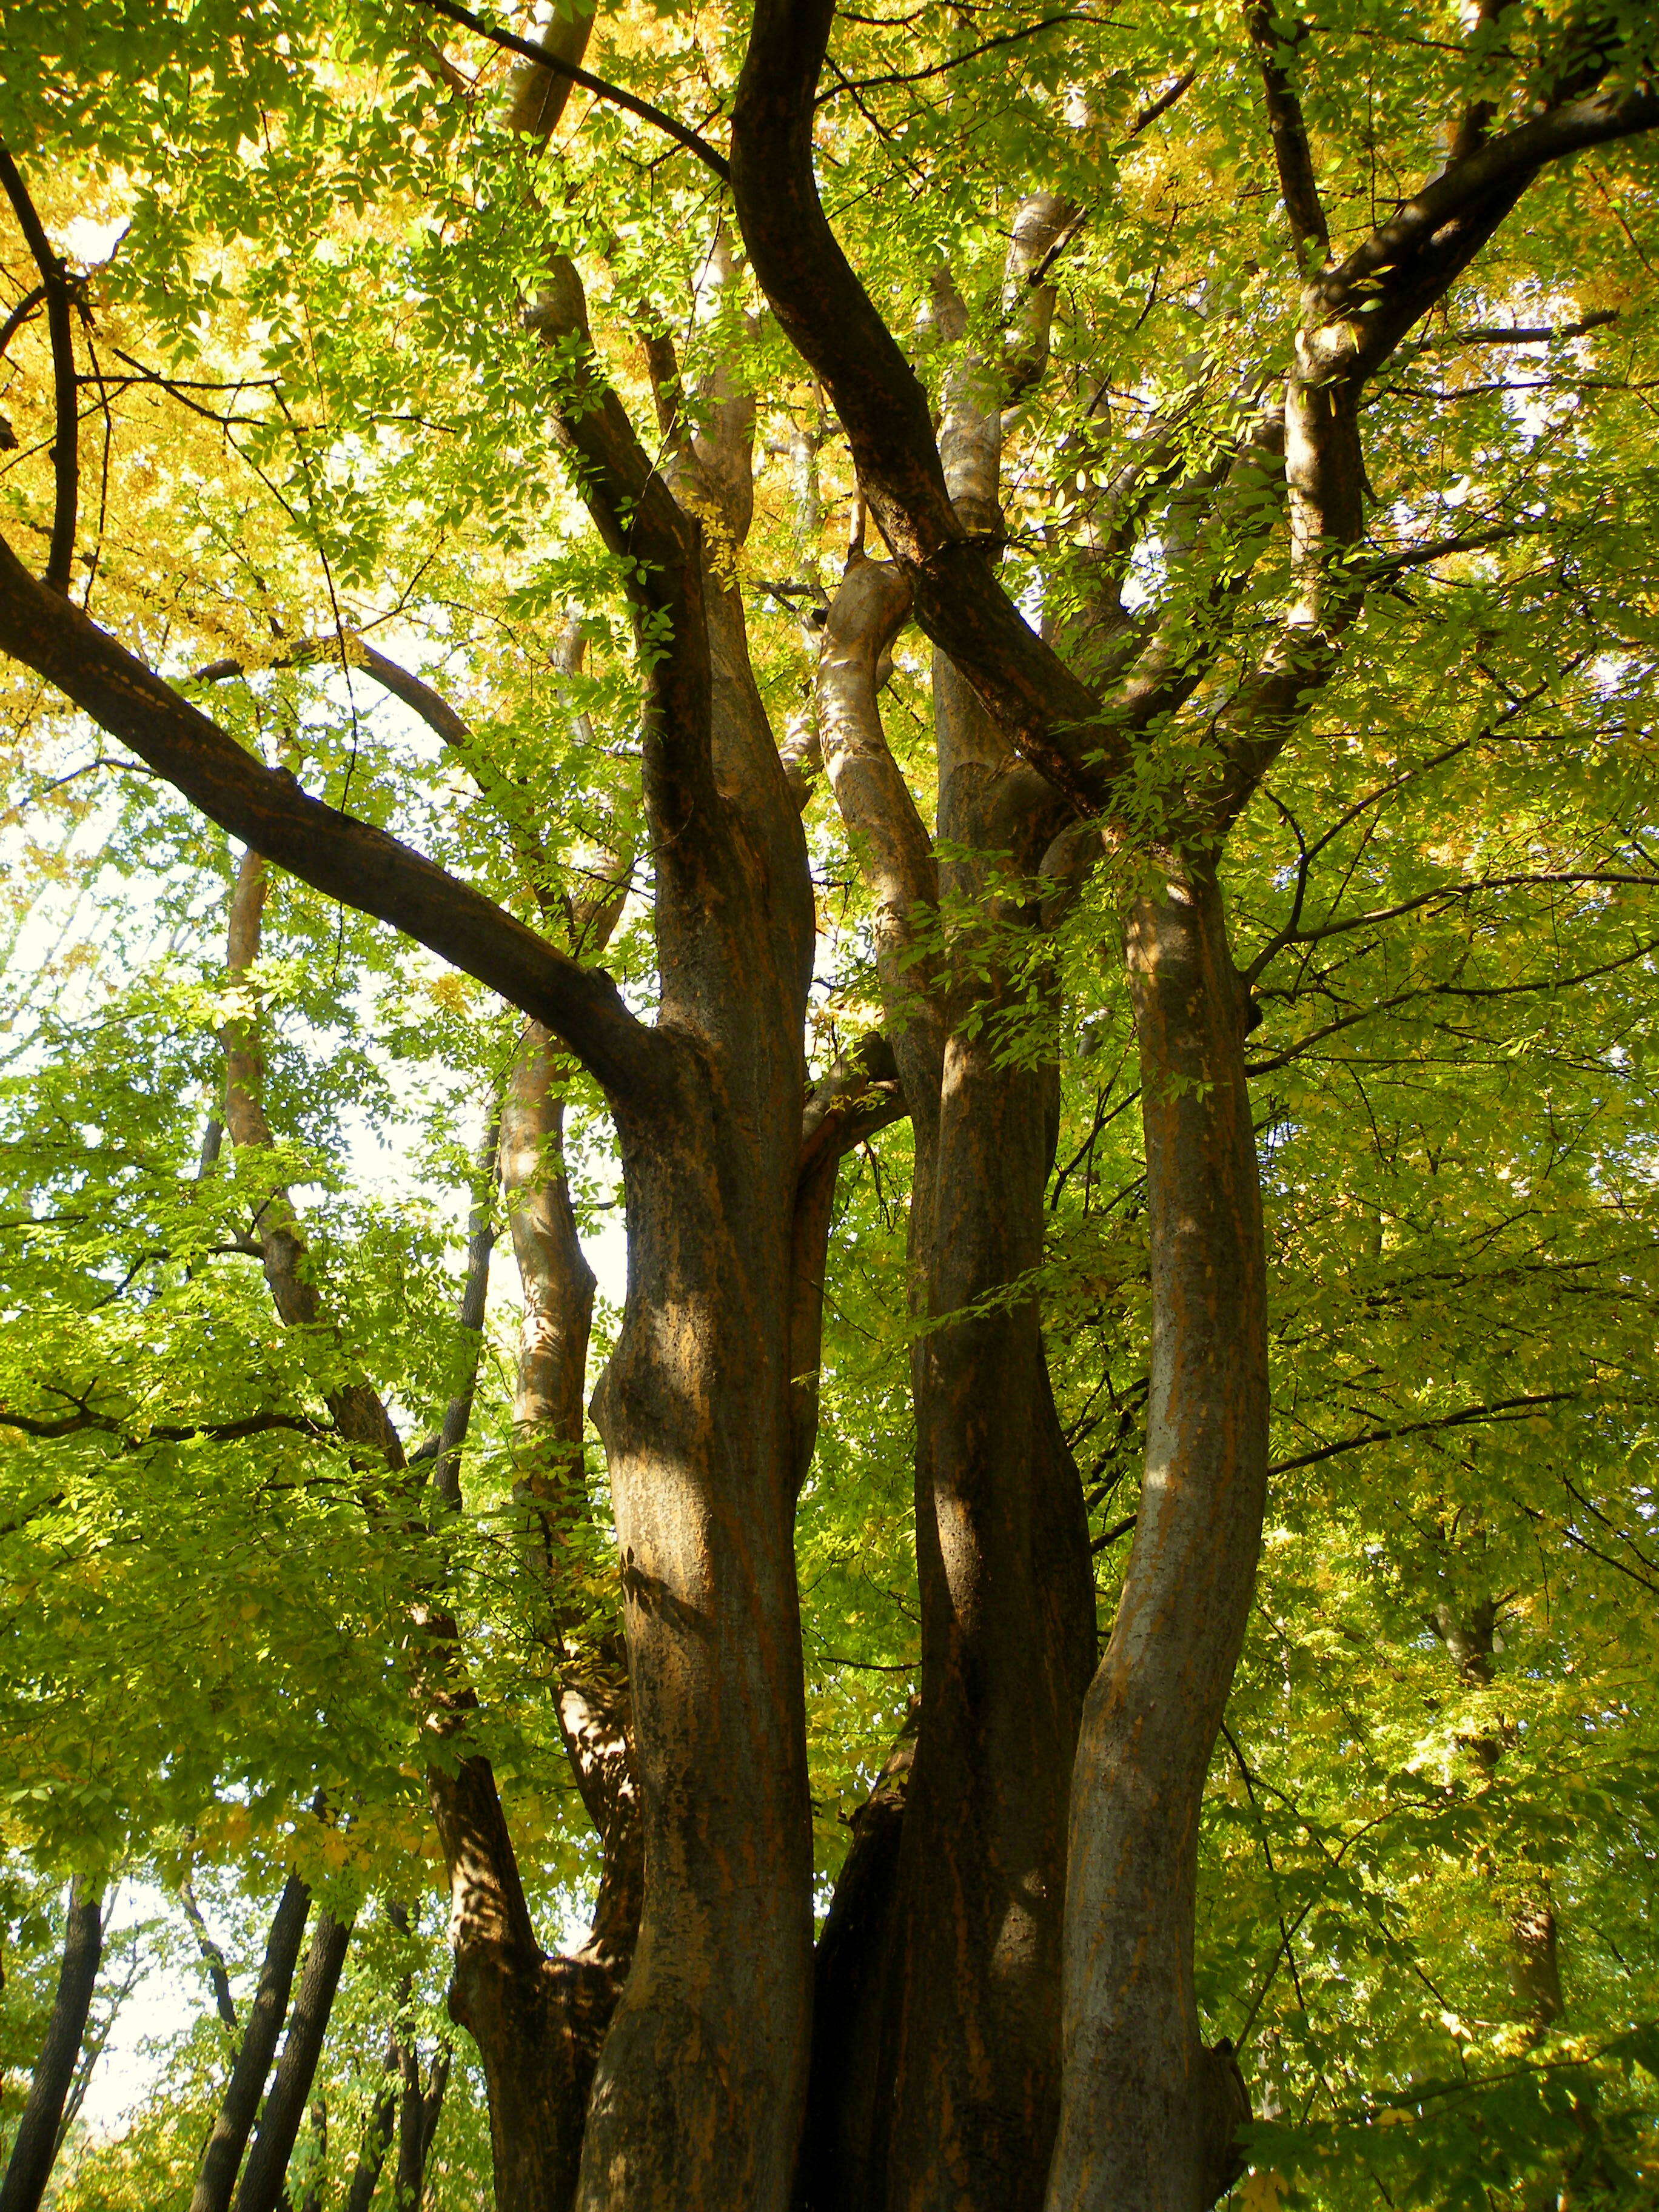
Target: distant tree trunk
[[377, 2140], [212, 1957], [216, 2178], [29, 2167], [419, 2110], [1535, 1962], [313, 2199], [266, 2169]]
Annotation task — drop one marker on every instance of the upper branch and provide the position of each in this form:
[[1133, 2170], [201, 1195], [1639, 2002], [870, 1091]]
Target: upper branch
[[65, 452], [547, 59], [341, 857], [640, 519], [1290, 135], [830, 319], [1407, 263]]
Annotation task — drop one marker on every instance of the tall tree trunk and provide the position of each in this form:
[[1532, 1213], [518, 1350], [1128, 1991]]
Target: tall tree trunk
[[1148, 2114], [29, 2167], [266, 2171], [217, 2177], [962, 2107]]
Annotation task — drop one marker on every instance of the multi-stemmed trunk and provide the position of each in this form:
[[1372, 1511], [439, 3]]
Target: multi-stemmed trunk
[[942, 1952]]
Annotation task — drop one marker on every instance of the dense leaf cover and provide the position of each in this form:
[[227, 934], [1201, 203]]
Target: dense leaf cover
[[312, 415]]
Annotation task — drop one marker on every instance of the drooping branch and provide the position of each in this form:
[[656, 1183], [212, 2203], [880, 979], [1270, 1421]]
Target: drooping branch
[[335, 854]]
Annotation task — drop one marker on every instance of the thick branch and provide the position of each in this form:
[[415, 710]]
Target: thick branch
[[887, 834], [336, 854], [830, 318], [1415, 248]]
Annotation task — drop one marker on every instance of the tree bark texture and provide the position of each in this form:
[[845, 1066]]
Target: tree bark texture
[[1148, 2114], [29, 2167], [266, 2173], [239, 2106]]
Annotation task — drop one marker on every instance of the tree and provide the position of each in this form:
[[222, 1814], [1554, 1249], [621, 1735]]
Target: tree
[[1013, 1966], [28, 2169]]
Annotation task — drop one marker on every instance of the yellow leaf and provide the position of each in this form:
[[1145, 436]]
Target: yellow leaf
[[1261, 2191]]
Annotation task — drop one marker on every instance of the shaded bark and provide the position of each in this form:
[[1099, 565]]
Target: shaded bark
[[1148, 2114], [35, 2145], [217, 2176], [851, 1984], [266, 2169]]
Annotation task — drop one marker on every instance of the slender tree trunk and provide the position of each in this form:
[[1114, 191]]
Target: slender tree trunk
[[959, 2109], [266, 2169], [1148, 2115], [217, 2177], [419, 2109], [212, 1957], [377, 2140], [378, 2135], [29, 2167]]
